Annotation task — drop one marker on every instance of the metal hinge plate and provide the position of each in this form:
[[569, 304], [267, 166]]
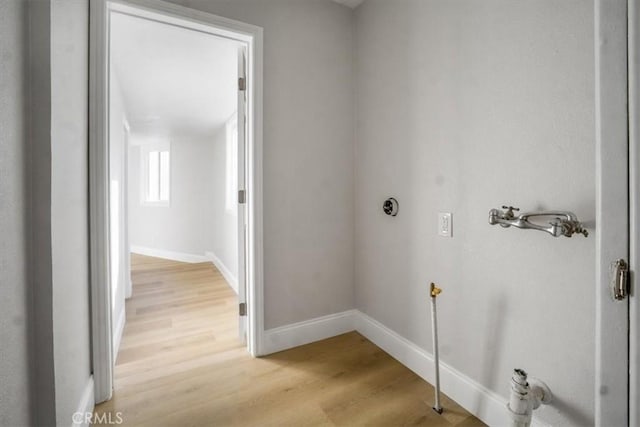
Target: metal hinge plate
[[242, 309], [620, 280], [242, 197], [242, 84]]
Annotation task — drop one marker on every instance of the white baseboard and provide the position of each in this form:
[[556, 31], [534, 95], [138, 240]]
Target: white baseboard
[[486, 405], [128, 291], [306, 332], [117, 332], [231, 279], [174, 256], [85, 405]]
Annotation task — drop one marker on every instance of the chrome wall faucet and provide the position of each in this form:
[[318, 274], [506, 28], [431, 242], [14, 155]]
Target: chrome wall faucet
[[562, 223]]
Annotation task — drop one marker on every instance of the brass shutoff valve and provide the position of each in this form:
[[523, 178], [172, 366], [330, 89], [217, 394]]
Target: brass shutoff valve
[[435, 291]]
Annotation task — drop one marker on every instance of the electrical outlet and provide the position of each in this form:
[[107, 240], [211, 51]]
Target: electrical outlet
[[445, 224]]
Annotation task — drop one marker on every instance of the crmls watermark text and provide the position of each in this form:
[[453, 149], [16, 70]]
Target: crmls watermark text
[[91, 418]]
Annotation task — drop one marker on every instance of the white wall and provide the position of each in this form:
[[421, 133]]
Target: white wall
[[196, 223], [185, 225], [464, 106], [69, 204], [14, 258], [224, 223], [308, 153], [118, 149]]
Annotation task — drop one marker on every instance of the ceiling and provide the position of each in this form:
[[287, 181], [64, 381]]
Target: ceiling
[[174, 81], [350, 3]]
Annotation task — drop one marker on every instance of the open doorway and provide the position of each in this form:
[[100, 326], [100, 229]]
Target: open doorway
[[179, 140], [173, 140]]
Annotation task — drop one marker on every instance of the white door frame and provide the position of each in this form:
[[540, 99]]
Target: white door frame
[[612, 211], [251, 35], [634, 214], [241, 154]]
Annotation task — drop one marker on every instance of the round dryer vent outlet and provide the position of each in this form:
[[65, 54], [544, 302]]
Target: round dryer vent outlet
[[390, 206]]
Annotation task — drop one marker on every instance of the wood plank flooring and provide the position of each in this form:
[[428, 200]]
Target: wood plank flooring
[[181, 364]]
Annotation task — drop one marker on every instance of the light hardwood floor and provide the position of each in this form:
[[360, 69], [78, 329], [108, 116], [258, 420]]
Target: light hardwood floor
[[181, 364]]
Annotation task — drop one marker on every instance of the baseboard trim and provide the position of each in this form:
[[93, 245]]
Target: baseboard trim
[[308, 331], [174, 256], [129, 289], [85, 405], [118, 331], [231, 279], [486, 405]]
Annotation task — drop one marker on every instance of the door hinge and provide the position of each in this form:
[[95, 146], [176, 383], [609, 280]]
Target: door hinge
[[620, 280], [242, 309], [242, 83], [242, 197]]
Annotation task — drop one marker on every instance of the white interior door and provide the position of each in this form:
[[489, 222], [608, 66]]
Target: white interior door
[[634, 198], [612, 212], [242, 196]]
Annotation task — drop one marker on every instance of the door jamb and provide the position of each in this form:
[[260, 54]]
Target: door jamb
[[101, 332]]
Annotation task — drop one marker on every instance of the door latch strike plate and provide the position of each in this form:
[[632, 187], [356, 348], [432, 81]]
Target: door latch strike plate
[[620, 280], [242, 309]]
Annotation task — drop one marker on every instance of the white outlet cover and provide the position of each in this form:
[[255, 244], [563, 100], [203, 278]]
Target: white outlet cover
[[445, 224]]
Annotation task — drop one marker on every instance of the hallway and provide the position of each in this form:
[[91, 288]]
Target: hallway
[[180, 363]]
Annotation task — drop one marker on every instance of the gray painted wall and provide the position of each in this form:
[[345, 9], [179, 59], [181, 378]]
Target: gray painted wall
[[43, 404], [308, 153], [14, 226], [69, 204], [27, 395], [464, 106]]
